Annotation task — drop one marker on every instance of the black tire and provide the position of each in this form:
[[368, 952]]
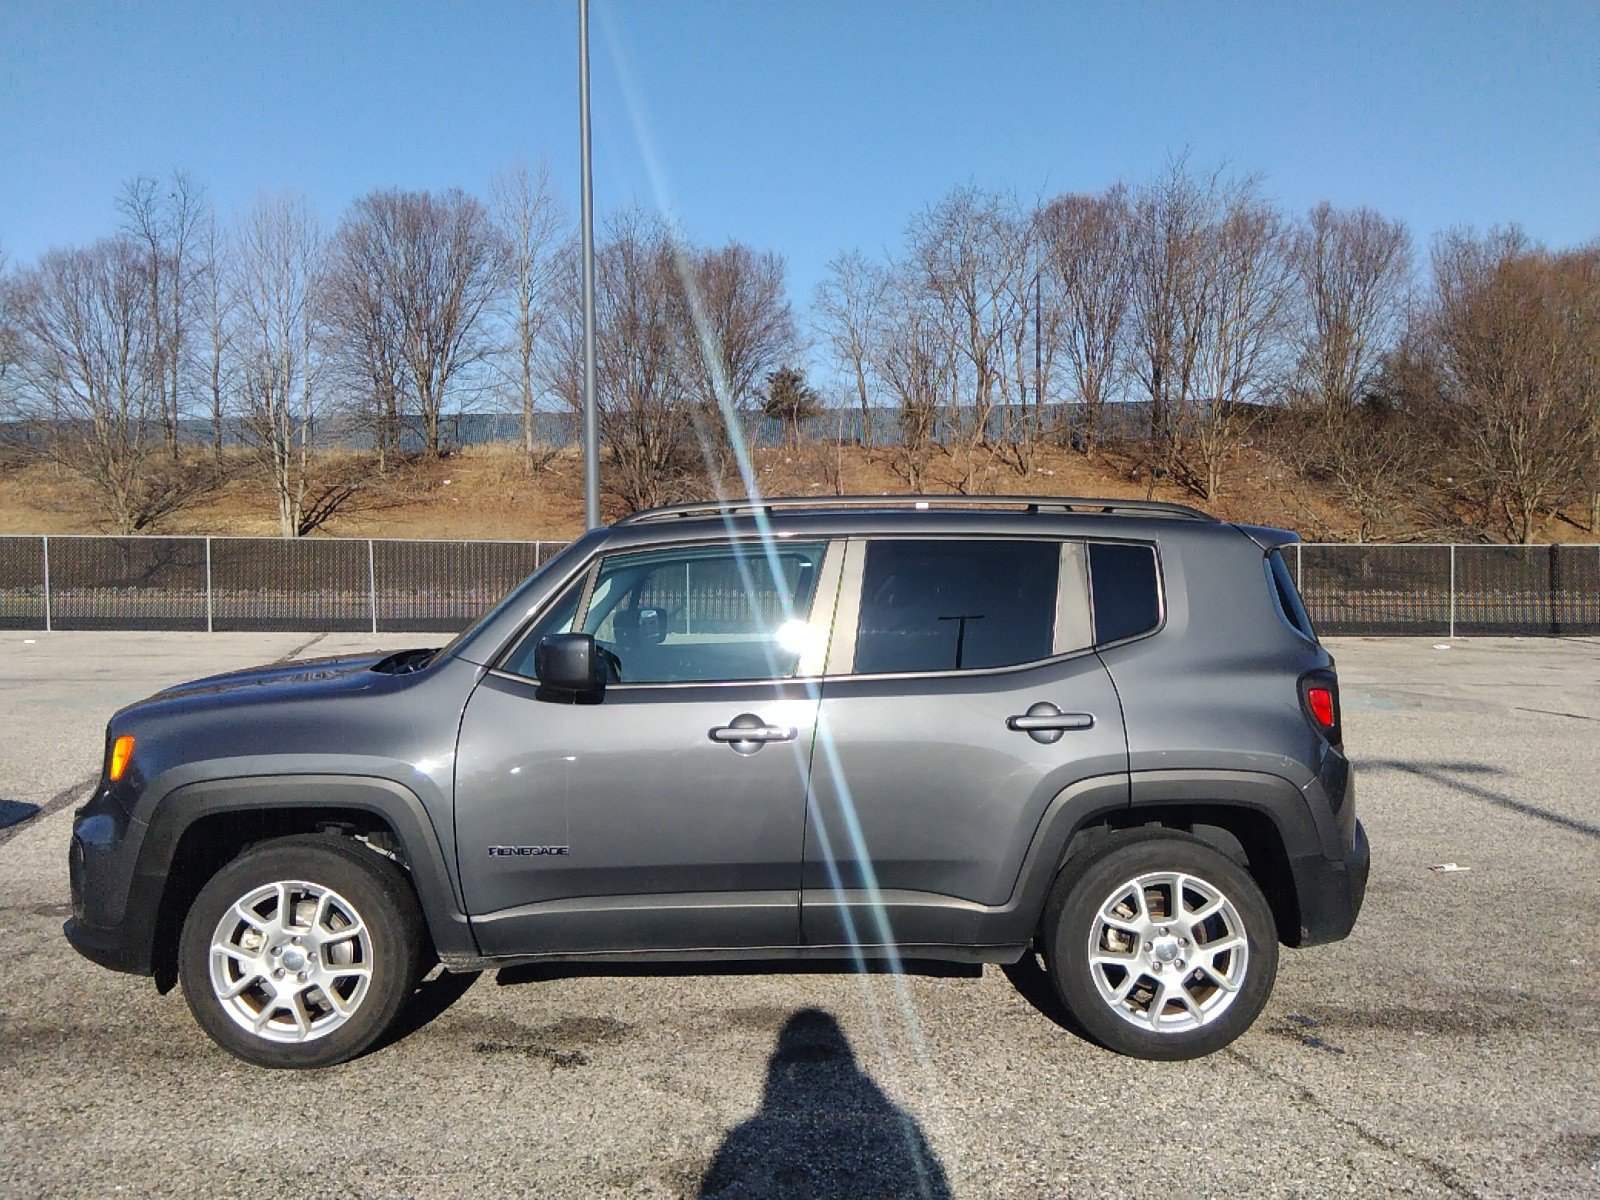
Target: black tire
[[387, 906], [1070, 919]]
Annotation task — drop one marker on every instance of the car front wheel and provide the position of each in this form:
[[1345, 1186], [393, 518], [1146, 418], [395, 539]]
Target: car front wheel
[[1160, 946], [301, 952]]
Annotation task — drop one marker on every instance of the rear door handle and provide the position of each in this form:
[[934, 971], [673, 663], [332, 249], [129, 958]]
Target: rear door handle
[[1045, 723], [747, 733]]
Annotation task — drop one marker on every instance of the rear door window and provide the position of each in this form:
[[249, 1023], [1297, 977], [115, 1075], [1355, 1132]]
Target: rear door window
[[1126, 588], [951, 605]]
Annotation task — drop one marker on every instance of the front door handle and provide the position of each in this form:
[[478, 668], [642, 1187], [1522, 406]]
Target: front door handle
[[1045, 723], [747, 733]]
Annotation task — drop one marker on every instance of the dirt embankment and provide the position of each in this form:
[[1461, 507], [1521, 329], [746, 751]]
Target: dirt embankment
[[486, 492]]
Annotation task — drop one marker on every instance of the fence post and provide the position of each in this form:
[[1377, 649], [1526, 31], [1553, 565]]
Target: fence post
[[1555, 592], [372, 584], [46, 542], [1452, 591], [209, 628], [1299, 567], [538, 555]]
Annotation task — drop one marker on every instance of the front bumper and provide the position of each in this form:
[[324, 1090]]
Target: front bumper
[[118, 949], [1330, 892], [114, 905]]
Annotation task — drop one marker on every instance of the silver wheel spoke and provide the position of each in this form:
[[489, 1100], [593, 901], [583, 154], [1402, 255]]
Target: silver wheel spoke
[[1182, 996], [344, 935], [241, 913], [319, 918], [1221, 981], [1206, 911], [302, 1022], [285, 906], [241, 987], [1212, 949], [1130, 980]]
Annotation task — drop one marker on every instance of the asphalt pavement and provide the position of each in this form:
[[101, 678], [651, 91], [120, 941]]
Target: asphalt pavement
[[1450, 1047]]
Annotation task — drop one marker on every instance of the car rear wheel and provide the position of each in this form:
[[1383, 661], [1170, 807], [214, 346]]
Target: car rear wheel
[[1160, 946], [302, 951]]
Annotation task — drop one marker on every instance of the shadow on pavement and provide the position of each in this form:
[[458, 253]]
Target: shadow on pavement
[[824, 1129], [14, 812], [433, 996], [1440, 773]]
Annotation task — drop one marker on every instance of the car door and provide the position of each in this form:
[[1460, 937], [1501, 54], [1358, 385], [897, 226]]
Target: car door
[[669, 815], [962, 696]]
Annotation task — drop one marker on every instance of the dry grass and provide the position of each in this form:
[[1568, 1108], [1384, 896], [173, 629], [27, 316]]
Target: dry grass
[[484, 492]]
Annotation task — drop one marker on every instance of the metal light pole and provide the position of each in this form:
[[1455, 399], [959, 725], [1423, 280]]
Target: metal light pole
[[591, 410]]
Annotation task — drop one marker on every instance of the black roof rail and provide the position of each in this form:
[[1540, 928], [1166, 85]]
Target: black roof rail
[[1032, 504]]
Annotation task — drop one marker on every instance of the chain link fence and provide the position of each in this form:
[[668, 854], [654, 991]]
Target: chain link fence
[[1450, 590], [257, 584], [381, 585]]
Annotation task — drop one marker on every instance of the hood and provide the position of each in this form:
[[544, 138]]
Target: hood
[[295, 677]]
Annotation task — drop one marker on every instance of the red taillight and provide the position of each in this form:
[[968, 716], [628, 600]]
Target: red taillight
[[1320, 701]]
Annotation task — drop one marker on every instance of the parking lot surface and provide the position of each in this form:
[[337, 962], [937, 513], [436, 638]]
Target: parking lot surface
[[1450, 1047]]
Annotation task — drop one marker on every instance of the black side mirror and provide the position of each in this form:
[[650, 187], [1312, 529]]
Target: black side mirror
[[568, 666]]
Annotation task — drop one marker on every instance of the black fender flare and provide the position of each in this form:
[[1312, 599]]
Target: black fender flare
[[396, 805], [1089, 803]]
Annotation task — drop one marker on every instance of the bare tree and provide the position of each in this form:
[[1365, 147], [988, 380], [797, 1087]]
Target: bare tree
[[734, 326], [10, 337], [1243, 326], [849, 308], [645, 417], [1168, 302], [214, 308], [914, 357], [968, 260], [165, 221], [366, 328], [1515, 329], [276, 341], [438, 260], [1354, 272], [86, 342], [530, 221], [1089, 261]]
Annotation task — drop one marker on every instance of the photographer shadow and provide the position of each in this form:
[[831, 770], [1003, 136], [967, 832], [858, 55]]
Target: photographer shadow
[[824, 1129]]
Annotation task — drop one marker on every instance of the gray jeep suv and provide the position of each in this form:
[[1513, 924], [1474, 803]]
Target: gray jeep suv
[[977, 729]]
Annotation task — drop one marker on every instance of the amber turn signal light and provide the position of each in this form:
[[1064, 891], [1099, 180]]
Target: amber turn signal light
[[121, 752]]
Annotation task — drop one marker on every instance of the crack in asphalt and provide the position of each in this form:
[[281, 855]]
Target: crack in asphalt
[[1303, 1095]]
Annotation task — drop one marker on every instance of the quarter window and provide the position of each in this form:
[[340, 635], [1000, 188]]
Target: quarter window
[[1127, 593], [956, 605]]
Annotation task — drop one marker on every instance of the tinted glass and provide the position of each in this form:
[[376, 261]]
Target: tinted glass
[[949, 605], [1127, 596], [556, 619], [1288, 595], [710, 614]]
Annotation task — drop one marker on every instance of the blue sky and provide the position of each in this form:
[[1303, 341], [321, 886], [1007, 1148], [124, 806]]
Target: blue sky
[[806, 127]]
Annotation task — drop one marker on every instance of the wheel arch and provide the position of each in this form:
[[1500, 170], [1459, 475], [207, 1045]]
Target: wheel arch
[[1261, 821], [201, 826]]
